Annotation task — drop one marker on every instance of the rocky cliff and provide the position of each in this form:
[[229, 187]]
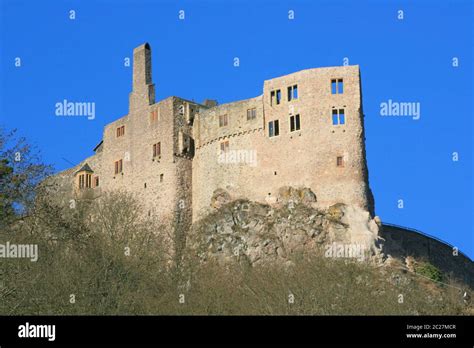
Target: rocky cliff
[[253, 233], [294, 226]]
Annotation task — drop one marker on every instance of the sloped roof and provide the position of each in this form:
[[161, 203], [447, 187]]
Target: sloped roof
[[85, 168], [97, 146]]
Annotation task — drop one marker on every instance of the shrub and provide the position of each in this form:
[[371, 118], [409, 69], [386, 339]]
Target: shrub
[[428, 270]]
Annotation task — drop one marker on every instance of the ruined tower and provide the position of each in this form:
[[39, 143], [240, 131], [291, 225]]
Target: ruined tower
[[143, 90]]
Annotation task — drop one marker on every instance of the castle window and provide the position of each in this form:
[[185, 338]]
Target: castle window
[[190, 114], [184, 143], [224, 146], [85, 181], [340, 161], [292, 92], [96, 181], [84, 177], [157, 149], [161, 177], [118, 167], [81, 181], [120, 131], [251, 114], [154, 116], [337, 86], [181, 109], [338, 117], [275, 97], [223, 120], [294, 123], [273, 128]]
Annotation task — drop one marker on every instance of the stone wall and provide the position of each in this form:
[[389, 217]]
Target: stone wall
[[177, 186], [304, 158], [162, 183], [401, 242]]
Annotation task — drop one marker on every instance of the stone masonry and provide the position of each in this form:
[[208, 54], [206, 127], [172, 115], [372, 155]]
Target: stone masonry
[[176, 154]]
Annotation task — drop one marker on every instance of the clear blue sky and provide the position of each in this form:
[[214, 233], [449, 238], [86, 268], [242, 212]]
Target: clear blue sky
[[407, 60]]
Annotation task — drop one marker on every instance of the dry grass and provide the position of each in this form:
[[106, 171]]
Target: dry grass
[[89, 260]]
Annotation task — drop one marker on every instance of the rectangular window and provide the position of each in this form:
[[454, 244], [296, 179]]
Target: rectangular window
[[118, 167], [335, 117], [161, 177], [85, 181], [96, 181], [190, 114], [273, 128], [338, 117], [224, 146], [88, 180], [157, 149], [275, 97], [342, 117], [251, 114], [120, 131], [223, 120], [154, 116], [337, 86], [294, 123], [292, 92], [340, 161], [340, 86]]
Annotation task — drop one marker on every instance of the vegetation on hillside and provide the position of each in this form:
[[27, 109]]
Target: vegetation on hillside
[[117, 264], [20, 173], [101, 258]]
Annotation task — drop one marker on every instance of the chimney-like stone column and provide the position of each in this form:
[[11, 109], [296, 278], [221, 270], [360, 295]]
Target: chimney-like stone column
[[143, 90]]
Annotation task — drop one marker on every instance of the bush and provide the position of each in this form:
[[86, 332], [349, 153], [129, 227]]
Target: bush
[[83, 268], [428, 270]]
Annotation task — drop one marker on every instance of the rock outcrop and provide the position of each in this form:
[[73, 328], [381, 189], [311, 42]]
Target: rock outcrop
[[253, 233]]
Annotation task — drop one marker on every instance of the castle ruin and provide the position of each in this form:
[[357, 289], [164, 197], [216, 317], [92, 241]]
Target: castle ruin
[[305, 130]]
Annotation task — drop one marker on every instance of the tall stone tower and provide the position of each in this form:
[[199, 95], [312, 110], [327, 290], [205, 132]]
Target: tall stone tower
[[149, 151], [143, 91]]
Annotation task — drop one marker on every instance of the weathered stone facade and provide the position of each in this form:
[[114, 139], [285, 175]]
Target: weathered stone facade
[[300, 158], [208, 147]]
